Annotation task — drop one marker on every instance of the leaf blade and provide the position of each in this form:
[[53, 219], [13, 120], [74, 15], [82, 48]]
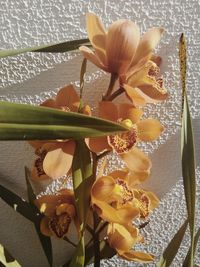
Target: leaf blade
[[23, 122], [187, 150], [44, 240], [172, 248], [18, 204], [7, 259], [49, 48], [187, 258]]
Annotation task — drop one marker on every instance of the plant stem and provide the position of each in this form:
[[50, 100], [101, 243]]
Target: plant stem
[[69, 241], [116, 94], [113, 79], [96, 241]]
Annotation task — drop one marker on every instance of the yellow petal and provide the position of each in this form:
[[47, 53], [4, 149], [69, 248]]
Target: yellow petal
[[149, 130], [98, 144], [65, 208], [135, 96], [137, 161], [121, 44], [91, 56], [47, 204], [154, 201], [154, 92], [67, 97], [58, 161], [108, 111], [108, 213], [122, 238], [44, 227], [137, 256], [147, 44], [102, 188], [119, 174], [127, 111], [97, 36]]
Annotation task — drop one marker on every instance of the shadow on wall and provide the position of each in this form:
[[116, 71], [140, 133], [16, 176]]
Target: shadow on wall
[[166, 160]]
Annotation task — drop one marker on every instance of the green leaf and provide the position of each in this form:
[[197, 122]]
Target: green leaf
[[196, 239], [78, 258], [18, 204], [50, 48], [82, 179], [6, 259], [26, 122], [172, 248], [187, 151], [82, 182], [44, 240]]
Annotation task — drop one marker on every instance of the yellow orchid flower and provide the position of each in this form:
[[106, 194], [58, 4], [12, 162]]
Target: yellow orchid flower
[[55, 157], [123, 238], [59, 211], [120, 48], [144, 86], [125, 144], [116, 200]]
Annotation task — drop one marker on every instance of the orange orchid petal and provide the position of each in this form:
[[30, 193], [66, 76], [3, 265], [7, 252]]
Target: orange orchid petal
[[122, 238], [97, 36], [154, 92], [137, 177], [91, 56], [49, 103], [147, 44], [36, 143], [44, 227], [48, 203], [137, 161], [136, 98], [149, 130], [121, 44], [127, 111], [137, 256], [102, 189], [108, 213], [120, 174], [58, 161], [98, 144], [154, 201], [67, 97], [108, 111], [157, 59]]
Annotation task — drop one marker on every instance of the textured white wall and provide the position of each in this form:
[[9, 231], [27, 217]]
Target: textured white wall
[[31, 78]]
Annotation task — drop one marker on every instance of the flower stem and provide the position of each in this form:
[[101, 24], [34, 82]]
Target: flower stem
[[113, 79], [96, 241], [116, 94]]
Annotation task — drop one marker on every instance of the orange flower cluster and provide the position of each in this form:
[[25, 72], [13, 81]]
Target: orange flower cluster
[[117, 198]]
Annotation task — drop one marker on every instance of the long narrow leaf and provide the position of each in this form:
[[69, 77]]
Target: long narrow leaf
[[187, 151], [26, 122], [50, 48], [18, 204], [196, 239], [78, 258], [82, 179], [44, 240], [6, 259], [82, 182], [172, 248]]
